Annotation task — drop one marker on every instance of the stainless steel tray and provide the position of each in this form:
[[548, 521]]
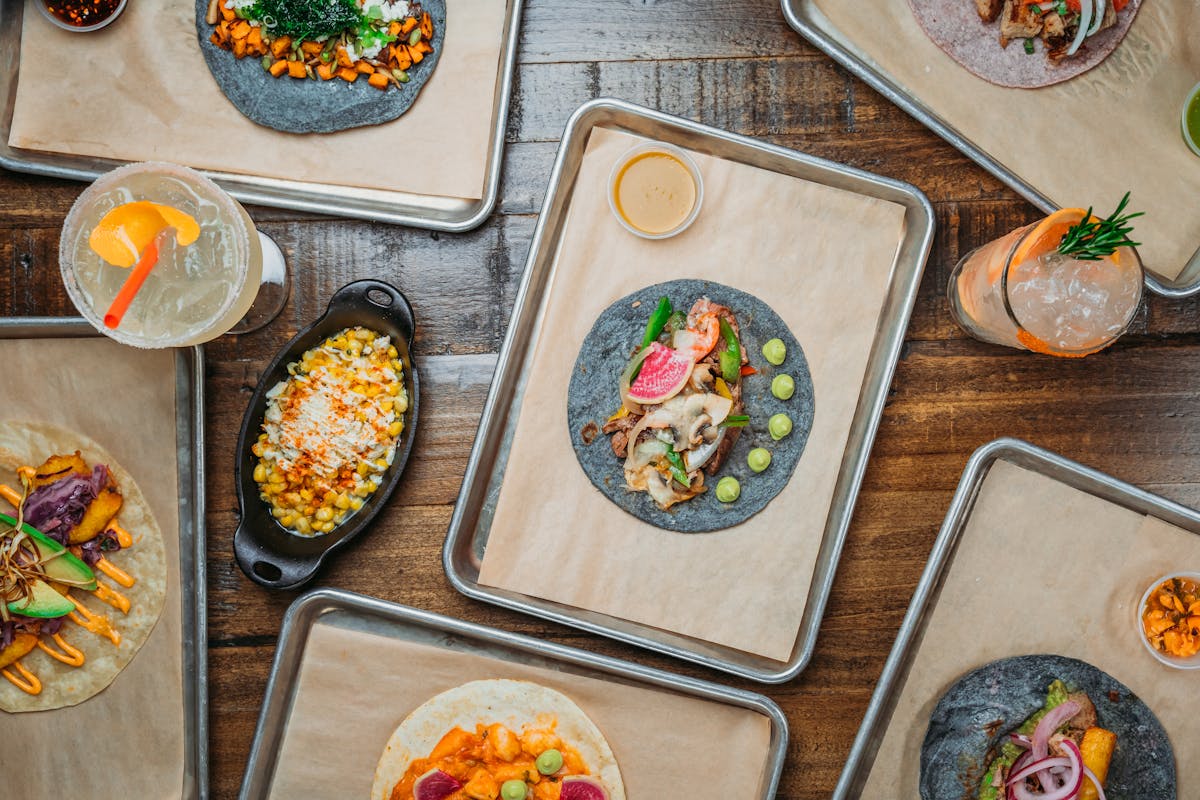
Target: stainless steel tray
[[809, 22], [189, 443], [334, 606], [895, 670], [399, 208], [469, 526]]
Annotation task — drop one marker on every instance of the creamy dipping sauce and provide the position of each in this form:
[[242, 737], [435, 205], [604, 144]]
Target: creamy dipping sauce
[[654, 192]]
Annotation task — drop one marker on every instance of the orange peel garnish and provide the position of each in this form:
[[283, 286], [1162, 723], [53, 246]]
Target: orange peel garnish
[[126, 231]]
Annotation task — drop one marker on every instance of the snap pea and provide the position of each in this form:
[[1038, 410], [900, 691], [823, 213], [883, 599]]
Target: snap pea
[[731, 356]]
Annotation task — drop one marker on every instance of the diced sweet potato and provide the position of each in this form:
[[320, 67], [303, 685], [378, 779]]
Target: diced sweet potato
[[311, 49], [364, 68], [280, 46], [347, 74], [99, 513], [227, 13], [325, 71], [343, 58], [57, 467], [407, 26], [278, 68], [426, 25], [378, 80], [416, 55], [296, 69]]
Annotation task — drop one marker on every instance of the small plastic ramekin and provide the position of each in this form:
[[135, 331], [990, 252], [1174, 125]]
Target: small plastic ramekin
[[671, 150], [1187, 137], [41, 4], [1192, 662]]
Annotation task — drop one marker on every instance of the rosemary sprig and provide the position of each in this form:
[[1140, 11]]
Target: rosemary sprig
[[1092, 241]]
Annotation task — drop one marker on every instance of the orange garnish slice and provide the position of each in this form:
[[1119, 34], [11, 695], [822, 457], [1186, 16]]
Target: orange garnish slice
[[125, 232], [1047, 234]]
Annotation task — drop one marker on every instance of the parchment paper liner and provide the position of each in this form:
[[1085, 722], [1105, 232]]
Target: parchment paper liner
[[140, 90], [1085, 141], [354, 688], [1045, 568], [822, 258], [127, 741]]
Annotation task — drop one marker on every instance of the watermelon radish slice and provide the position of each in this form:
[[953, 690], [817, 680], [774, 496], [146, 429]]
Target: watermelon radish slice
[[435, 785], [582, 787], [664, 374]]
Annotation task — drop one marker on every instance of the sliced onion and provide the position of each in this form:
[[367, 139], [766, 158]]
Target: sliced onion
[[1085, 22], [1070, 787], [1020, 740], [1097, 18], [1053, 720], [697, 458], [1095, 782], [1046, 763]]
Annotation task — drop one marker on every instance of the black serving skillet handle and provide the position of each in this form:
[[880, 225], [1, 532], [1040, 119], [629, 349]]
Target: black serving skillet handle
[[268, 553]]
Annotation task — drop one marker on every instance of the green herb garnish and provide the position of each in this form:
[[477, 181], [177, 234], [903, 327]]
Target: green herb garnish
[[1061, 9], [678, 471], [306, 20], [1091, 240], [1029, 46]]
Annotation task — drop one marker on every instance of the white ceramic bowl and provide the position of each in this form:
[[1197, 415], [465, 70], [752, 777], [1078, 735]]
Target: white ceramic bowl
[[671, 150], [1194, 145], [1171, 661], [41, 4]]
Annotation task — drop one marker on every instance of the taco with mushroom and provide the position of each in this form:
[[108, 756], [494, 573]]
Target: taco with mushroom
[[82, 568], [506, 739]]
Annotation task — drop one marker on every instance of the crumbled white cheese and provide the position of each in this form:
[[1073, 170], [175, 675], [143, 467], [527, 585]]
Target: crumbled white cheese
[[388, 9]]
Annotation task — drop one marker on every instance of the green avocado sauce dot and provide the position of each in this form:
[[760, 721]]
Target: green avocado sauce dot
[[513, 790], [728, 489], [775, 351], [549, 762], [783, 387], [779, 426], [758, 459]]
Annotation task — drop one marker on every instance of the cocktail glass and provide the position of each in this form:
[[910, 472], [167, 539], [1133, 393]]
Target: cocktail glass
[[232, 279], [1019, 291]]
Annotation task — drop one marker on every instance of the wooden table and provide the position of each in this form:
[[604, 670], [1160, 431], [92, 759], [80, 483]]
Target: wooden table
[[1131, 410]]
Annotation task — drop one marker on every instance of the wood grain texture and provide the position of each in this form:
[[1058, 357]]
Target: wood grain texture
[[1132, 411]]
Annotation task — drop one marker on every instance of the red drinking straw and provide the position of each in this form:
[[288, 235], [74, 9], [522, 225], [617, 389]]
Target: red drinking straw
[[141, 270]]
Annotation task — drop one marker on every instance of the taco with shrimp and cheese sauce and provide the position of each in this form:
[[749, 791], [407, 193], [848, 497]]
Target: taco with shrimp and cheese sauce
[[506, 739], [82, 568]]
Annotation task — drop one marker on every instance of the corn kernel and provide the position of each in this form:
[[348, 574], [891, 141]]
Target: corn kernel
[[324, 514], [260, 474], [355, 503], [393, 389], [395, 428], [303, 526], [342, 501], [364, 335], [278, 513], [385, 406], [287, 519]]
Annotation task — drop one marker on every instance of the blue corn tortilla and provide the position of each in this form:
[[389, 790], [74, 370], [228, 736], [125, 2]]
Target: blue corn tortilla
[[293, 105], [594, 394], [975, 715]]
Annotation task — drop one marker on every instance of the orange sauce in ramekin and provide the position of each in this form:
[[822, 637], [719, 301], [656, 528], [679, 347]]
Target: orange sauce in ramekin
[[654, 192]]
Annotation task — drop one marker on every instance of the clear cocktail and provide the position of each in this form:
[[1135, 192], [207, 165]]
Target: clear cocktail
[[196, 290], [1021, 291]]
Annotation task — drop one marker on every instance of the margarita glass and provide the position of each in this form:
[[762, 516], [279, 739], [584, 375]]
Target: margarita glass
[[1019, 291], [232, 278]]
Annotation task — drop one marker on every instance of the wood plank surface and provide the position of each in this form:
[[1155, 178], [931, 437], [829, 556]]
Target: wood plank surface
[[1132, 410]]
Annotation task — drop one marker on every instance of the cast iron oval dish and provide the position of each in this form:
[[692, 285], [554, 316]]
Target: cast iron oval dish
[[267, 552], [594, 393], [981, 708], [295, 105]]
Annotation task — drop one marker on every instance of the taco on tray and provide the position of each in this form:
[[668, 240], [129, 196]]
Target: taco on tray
[[506, 739], [1044, 728], [1026, 43], [82, 568]]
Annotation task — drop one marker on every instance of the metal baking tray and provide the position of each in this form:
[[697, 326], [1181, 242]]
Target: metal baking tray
[[398, 208], [469, 526], [338, 607], [895, 670], [189, 444], [809, 22]]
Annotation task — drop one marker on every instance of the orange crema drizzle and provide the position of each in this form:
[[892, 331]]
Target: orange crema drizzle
[[96, 623], [27, 682], [111, 596], [116, 573], [71, 656]]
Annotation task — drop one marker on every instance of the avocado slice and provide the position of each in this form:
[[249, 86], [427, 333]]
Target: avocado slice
[[64, 567], [42, 602]]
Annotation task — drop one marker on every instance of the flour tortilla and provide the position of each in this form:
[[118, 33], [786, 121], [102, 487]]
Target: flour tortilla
[[955, 27], [514, 704], [25, 443]]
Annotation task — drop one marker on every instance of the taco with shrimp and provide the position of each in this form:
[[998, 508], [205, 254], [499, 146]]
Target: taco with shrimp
[[506, 739], [82, 568]]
